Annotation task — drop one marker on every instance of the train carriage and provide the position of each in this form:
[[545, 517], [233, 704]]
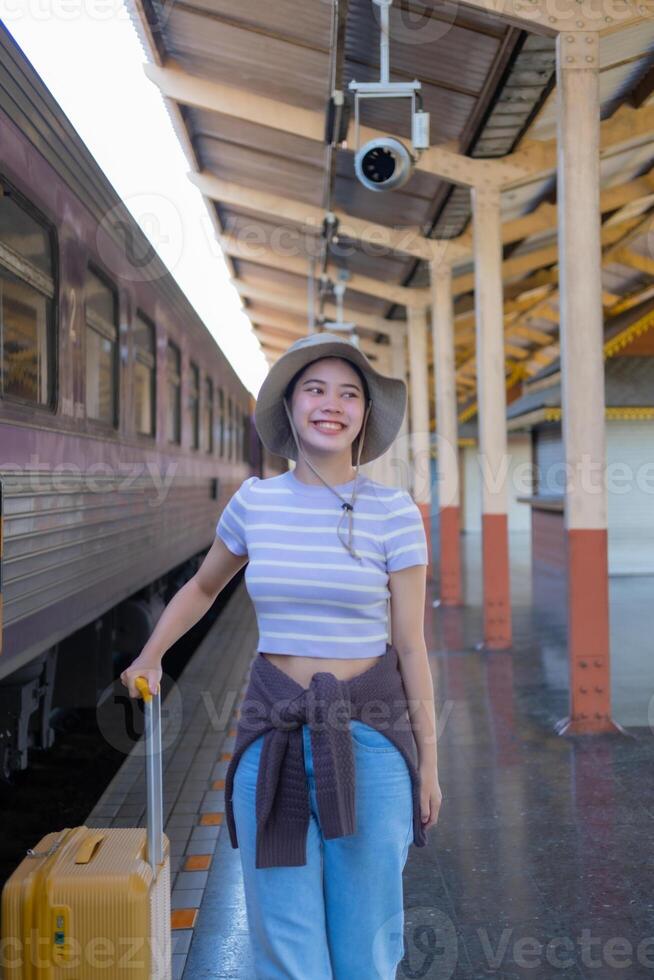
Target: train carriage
[[123, 427]]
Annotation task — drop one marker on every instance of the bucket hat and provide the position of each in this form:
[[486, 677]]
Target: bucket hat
[[386, 405]]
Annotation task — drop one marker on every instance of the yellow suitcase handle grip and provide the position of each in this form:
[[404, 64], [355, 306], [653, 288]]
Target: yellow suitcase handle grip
[[87, 848], [143, 688], [153, 774]]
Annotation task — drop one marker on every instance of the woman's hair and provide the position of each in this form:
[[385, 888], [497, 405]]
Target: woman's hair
[[290, 388]]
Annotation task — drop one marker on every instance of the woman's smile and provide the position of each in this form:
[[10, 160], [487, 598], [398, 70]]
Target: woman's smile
[[332, 428]]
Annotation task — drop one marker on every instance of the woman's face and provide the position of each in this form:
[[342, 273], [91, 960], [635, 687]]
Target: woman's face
[[328, 390]]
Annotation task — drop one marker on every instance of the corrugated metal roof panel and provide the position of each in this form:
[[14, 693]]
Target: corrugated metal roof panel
[[530, 74], [252, 168], [239, 132], [296, 240], [304, 23], [613, 83], [273, 67], [396, 210], [260, 275], [628, 43]]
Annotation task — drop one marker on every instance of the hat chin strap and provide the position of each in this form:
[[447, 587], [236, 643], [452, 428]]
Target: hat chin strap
[[346, 505]]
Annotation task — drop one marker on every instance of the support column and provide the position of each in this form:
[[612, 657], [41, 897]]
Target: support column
[[399, 363], [442, 326], [381, 468], [582, 366], [419, 410], [491, 399]]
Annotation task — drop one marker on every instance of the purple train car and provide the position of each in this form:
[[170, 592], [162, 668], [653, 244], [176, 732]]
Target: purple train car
[[123, 428]]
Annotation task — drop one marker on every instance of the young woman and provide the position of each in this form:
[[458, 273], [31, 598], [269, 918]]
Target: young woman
[[334, 771]]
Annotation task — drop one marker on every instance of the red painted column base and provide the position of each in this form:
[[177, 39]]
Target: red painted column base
[[450, 557], [496, 587], [426, 520], [602, 726], [588, 635]]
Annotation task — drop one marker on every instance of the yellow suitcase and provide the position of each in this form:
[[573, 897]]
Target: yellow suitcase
[[95, 902]]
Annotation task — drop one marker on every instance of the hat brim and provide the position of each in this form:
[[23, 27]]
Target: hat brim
[[389, 397]]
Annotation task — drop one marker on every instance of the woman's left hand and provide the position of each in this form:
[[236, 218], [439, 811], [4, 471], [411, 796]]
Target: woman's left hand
[[430, 797]]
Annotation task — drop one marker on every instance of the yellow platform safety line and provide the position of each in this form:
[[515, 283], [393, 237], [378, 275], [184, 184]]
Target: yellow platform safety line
[[186, 918]]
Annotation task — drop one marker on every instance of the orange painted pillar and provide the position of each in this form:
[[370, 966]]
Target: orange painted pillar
[[442, 325], [491, 400], [419, 406], [582, 366]]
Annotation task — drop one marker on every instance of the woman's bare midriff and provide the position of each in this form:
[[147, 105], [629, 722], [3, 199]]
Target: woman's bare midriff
[[302, 669]]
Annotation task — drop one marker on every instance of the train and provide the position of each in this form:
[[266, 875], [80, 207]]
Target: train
[[124, 429]]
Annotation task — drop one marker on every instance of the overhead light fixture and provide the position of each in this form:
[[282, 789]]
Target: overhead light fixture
[[339, 287]]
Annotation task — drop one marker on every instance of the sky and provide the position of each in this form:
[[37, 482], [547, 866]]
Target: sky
[[89, 56]]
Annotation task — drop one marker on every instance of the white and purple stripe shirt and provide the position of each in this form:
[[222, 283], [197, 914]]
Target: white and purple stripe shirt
[[311, 597]]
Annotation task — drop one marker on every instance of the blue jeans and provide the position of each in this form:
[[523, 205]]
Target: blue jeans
[[340, 916]]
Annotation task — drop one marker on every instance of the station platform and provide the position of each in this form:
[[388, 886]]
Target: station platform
[[536, 868]]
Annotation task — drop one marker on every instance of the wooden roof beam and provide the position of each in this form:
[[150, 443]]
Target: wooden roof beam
[[632, 196], [296, 303], [634, 261], [625, 129], [408, 240], [281, 321], [179, 85], [533, 160], [300, 266]]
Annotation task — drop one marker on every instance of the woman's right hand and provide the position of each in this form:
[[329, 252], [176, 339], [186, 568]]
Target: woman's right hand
[[141, 668]]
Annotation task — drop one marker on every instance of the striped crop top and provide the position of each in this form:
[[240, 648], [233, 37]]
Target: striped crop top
[[311, 597]]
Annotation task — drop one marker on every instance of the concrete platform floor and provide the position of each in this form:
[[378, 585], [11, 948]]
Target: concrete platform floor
[[541, 864]]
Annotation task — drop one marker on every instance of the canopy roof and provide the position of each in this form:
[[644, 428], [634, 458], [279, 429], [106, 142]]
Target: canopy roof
[[247, 86]]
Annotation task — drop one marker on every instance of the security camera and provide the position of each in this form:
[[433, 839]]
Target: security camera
[[383, 164]]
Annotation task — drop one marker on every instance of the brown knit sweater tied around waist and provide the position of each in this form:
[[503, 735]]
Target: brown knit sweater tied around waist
[[277, 706]]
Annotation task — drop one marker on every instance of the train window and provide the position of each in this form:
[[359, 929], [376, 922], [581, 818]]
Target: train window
[[26, 304], [144, 374], [208, 415], [230, 428], [234, 431], [221, 413], [194, 405], [174, 380], [237, 434], [246, 440], [101, 349]]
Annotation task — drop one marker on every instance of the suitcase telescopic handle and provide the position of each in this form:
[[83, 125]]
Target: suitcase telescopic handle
[[153, 774]]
